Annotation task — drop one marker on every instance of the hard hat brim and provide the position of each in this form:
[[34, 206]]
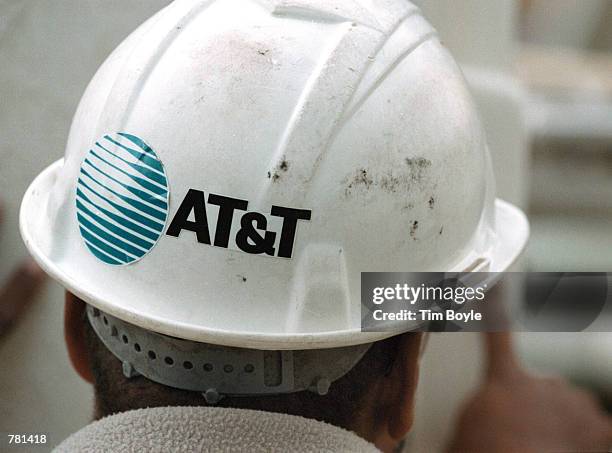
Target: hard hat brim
[[511, 236], [509, 239]]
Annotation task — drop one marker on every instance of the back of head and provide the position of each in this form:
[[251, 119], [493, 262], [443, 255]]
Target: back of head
[[340, 405]]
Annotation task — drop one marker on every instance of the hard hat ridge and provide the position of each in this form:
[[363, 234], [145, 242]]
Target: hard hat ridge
[[342, 70]]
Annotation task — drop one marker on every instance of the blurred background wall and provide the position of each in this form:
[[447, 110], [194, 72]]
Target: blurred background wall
[[565, 63], [540, 71]]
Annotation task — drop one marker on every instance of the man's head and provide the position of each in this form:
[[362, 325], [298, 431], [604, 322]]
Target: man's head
[[374, 399]]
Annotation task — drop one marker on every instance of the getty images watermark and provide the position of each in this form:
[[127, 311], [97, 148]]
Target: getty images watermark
[[487, 302]]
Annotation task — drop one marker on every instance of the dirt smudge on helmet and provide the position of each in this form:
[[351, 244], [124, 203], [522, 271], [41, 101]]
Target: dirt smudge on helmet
[[282, 167], [396, 179], [413, 229]]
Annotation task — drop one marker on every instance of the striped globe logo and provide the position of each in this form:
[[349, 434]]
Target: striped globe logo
[[121, 199]]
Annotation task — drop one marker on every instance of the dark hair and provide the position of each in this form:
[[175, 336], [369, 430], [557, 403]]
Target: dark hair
[[340, 407]]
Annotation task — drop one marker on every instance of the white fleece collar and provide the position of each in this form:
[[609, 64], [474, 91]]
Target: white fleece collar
[[210, 429]]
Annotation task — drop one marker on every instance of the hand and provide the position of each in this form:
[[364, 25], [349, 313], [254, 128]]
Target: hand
[[516, 412], [19, 292]]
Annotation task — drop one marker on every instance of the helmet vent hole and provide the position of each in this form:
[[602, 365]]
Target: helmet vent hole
[[96, 312], [114, 332], [228, 368], [152, 355], [187, 365], [169, 361], [124, 338], [105, 320], [249, 368], [137, 347], [208, 367]]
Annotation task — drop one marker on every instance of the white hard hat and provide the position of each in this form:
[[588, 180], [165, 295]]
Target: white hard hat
[[235, 165]]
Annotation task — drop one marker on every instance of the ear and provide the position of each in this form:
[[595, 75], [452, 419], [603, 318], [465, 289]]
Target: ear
[[74, 335], [404, 376]]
